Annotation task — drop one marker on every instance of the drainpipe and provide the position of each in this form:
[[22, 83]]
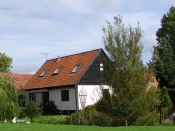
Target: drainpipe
[[76, 96]]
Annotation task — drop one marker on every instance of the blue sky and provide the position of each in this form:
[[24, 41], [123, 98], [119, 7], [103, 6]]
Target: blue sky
[[65, 27]]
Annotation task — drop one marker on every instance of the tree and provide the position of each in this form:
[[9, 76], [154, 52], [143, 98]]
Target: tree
[[9, 98], [5, 62], [125, 71], [164, 52], [8, 93], [32, 110], [166, 101]]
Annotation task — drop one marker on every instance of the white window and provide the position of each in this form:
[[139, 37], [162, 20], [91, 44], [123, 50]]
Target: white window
[[57, 71], [43, 73], [101, 66], [76, 69]]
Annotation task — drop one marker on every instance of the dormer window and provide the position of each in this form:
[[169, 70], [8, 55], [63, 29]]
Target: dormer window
[[57, 71], [43, 73], [75, 69]]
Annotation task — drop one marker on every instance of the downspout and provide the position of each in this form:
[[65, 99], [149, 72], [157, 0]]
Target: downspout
[[76, 96]]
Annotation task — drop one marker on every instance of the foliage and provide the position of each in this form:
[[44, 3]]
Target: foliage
[[52, 120], [151, 119], [125, 71], [9, 97], [21, 97], [89, 117], [50, 108], [163, 54], [21, 113], [104, 104], [166, 101], [60, 107], [32, 110], [5, 63]]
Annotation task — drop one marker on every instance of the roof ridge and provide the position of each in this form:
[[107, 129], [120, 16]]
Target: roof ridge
[[76, 54]]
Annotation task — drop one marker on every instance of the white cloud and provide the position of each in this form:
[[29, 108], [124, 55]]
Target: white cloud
[[64, 27], [24, 69]]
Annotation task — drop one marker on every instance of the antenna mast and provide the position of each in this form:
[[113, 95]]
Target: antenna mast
[[45, 54]]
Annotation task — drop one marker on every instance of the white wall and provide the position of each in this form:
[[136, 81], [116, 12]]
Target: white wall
[[55, 95], [93, 93], [38, 96]]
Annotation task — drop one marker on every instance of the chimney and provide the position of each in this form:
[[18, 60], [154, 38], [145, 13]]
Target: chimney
[[58, 59]]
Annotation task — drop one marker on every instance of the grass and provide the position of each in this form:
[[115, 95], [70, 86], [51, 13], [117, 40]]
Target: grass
[[50, 127]]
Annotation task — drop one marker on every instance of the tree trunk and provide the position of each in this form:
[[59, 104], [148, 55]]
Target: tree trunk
[[126, 122]]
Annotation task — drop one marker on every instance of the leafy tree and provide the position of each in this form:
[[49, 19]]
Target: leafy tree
[[9, 98], [166, 101], [8, 92], [164, 53], [5, 62], [32, 110], [125, 71]]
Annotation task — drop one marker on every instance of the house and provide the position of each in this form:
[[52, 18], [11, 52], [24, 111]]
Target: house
[[20, 80], [73, 80], [152, 82]]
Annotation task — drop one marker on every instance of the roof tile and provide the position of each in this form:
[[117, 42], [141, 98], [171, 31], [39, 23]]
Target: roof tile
[[64, 77]]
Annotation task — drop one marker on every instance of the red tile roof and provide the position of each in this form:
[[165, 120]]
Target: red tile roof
[[20, 80], [64, 78]]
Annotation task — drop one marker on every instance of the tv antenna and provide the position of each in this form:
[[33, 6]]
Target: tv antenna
[[45, 54]]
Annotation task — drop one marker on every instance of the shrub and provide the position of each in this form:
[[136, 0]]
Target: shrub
[[50, 108], [89, 117], [32, 110], [22, 113], [52, 120]]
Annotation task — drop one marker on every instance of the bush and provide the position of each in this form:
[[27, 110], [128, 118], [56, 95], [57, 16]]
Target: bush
[[22, 113], [32, 110], [52, 120], [89, 117], [50, 108]]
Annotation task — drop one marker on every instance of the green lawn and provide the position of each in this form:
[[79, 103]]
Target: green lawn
[[50, 127]]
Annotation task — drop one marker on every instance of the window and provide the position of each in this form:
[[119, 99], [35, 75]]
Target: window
[[32, 97], [43, 73], [101, 66], [76, 69], [16, 79], [65, 95], [57, 71]]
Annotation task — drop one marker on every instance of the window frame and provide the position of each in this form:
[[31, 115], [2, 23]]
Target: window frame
[[64, 95], [45, 97], [43, 73], [76, 68], [32, 97], [57, 71]]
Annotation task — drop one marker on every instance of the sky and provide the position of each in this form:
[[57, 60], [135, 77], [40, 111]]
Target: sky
[[29, 28]]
